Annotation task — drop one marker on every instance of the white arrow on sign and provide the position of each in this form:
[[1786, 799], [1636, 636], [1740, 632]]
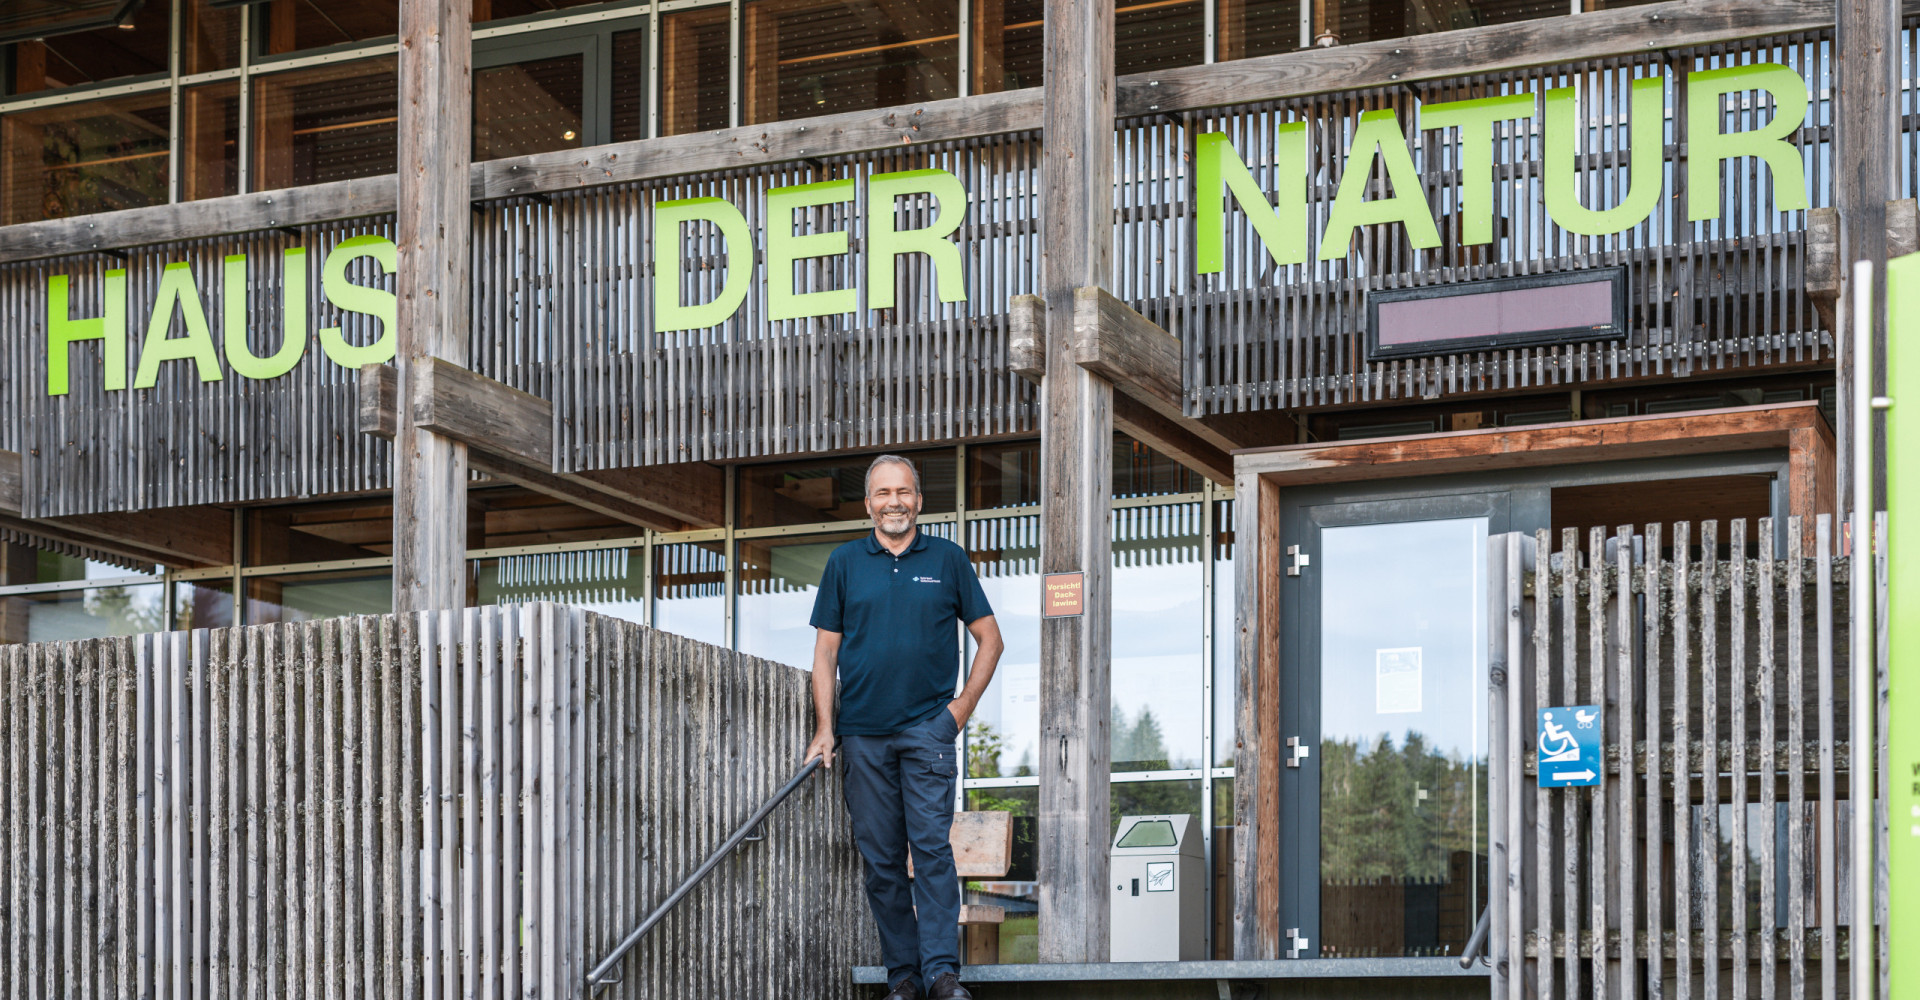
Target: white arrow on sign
[[1571, 775]]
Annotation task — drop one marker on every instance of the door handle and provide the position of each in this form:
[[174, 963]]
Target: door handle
[[1297, 751], [1296, 559]]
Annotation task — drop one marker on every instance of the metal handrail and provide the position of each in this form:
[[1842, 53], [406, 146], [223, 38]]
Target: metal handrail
[[596, 980], [1476, 942]]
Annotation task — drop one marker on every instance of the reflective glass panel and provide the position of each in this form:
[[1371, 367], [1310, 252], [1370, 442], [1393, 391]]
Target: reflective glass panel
[[690, 590], [135, 47], [1257, 28], [1003, 475], [1019, 892], [611, 582], [528, 107], [1221, 851], [629, 86], [326, 123], [210, 119], [833, 489], [1151, 798], [1155, 35], [495, 10], [1004, 733], [89, 614], [1157, 608], [203, 604], [76, 159], [313, 596], [212, 36], [55, 567], [1007, 46], [1402, 743], [777, 581], [820, 57], [290, 25], [694, 64], [1344, 22]]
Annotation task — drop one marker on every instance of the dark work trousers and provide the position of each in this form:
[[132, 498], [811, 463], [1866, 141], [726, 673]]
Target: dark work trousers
[[900, 794]]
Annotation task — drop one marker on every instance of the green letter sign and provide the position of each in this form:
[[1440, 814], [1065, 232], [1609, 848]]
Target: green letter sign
[[1707, 145], [1379, 135], [884, 242], [1475, 120], [669, 218], [376, 302], [110, 328], [784, 248], [1646, 172], [1219, 171], [293, 318]]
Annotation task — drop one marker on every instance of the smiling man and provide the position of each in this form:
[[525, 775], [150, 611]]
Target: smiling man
[[886, 615]]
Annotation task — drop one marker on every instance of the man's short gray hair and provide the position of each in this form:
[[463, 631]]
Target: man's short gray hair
[[893, 460]]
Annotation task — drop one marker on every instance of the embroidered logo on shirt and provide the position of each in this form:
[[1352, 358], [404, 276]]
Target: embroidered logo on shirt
[[926, 579]]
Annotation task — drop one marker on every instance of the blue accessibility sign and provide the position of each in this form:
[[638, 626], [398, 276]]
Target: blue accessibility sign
[[1569, 744]]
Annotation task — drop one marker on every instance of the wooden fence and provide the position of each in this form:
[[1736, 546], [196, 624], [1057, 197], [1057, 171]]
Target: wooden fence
[[1712, 860], [461, 804]]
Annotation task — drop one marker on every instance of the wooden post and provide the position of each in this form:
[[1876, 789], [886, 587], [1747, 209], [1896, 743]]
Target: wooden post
[[434, 221], [1867, 69], [1076, 503]]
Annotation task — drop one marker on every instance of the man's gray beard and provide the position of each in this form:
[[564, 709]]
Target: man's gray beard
[[880, 523]]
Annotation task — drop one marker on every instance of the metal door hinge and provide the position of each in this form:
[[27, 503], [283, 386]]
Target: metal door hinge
[[1296, 944], [1297, 751], [1296, 559]]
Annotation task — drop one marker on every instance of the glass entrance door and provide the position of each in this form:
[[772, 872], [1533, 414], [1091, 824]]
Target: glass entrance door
[[1383, 723]]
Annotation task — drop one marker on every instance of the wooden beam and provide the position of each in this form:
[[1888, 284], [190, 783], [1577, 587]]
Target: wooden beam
[[1743, 428], [1076, 496], [1388, 63], [1868, 138], [509, 434], [1027, 337], [433, 219], [1398, 62], [1822, 274], [1173, 438]]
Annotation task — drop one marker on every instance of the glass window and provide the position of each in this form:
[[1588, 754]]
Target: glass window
[[313, 596], [1222, 854], [833, 489], [1003, 475], [137, 46], [327, 123], [1019, 892], [1226, 636], [1140, 471], [629, 97], [76, 159], [611, 582], [1157, 609], [1004, 733], [1156, 35], [87, 614], [212, 36], [1006, 44], [1344, 22], [495, 10], [1151, 798], [776, 582], [202, 604], [534, 106], [55, 567], [1247, 28], [318, 533], [820, 57], [291, 25], [210, 119], [694, 66], [689, 590]]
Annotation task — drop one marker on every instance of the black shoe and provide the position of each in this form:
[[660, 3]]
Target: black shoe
[[904, 990], [948, 987]]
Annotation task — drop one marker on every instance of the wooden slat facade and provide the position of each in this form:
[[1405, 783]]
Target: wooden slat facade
[[426, 806], [562, 299], [1711, 859]]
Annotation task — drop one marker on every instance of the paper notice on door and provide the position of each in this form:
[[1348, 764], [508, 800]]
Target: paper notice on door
[[1396, 680]]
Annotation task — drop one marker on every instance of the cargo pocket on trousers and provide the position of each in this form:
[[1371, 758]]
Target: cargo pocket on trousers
[[941, 764]]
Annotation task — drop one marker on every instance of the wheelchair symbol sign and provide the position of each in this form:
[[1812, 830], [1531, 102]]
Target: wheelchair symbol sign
[[1569, 745]]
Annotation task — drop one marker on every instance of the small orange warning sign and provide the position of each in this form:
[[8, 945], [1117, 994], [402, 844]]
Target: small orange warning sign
[[1062, 595]]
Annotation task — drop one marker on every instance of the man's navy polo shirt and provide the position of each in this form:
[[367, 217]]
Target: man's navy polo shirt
[[898, 657]]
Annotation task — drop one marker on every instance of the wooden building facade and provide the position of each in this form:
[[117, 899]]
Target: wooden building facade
[[1499, 266]]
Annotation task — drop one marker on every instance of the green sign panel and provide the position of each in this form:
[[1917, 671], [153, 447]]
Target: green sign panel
[[1903, 625]]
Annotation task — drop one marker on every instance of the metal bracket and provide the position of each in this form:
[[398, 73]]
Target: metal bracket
[[1297, 751], [1296, 944], [1296, 559]]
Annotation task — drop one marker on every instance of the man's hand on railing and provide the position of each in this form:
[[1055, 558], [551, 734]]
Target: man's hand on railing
[[821, 747]]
